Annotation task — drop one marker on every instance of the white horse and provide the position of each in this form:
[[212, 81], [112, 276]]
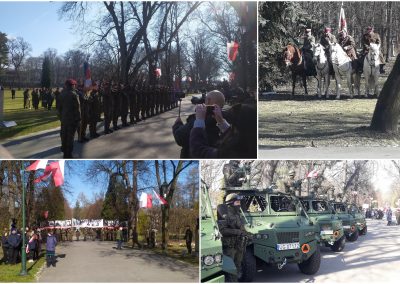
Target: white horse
[[371, 69], [322, 68], [343, 67]]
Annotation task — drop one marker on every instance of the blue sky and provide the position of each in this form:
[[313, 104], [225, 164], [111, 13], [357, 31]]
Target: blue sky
[[39, 24], [77, 182]]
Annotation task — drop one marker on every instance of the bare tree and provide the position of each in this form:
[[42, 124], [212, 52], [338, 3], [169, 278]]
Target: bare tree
[[19, 50]]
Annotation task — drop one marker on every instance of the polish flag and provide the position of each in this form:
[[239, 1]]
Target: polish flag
[[342, 21], [55, 168], [39, 164], [160, 198], [232, 49], [312, 174], [146, 200]]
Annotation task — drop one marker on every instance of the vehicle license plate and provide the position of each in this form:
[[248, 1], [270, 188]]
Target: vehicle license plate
[[327, 232], [288, 246]]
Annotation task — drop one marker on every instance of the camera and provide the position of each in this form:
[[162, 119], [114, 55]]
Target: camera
[[210, 110]]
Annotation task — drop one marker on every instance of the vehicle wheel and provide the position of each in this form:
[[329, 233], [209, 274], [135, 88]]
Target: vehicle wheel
[[353, 237], [363, 231], [311, 265], [339, 244], [248, 267]]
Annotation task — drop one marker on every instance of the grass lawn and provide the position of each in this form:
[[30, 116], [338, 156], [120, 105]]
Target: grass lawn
[[28, 120], [10, 273], [176, 250]]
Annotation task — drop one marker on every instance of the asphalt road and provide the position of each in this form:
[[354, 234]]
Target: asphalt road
[[151, 138], [101, 262], [335, 153], [373, 258]]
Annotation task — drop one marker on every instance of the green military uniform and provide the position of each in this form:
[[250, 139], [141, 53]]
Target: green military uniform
[[94, 110], [234, 234], [116, 97], [70, 116], [124, 105], [107, 106]]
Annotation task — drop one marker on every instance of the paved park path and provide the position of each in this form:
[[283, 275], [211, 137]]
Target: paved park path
[[334, 153], [151, 138], [100, 262], [374, 258]]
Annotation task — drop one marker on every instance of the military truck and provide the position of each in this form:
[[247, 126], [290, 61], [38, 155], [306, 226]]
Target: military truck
[[348, 220], [330, 226], [214, 265], [361, 223], [282, 231]]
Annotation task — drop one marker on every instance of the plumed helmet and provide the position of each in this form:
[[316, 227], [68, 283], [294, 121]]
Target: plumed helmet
[[231, 198]]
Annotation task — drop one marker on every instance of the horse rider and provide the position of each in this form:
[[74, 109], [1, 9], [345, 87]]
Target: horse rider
[[326, 40], [307, 49], [348, 44], [372, 37]]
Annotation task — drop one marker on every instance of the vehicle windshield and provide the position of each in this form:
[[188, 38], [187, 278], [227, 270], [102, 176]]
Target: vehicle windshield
[[282, 203], [319, 205], [340, 208]]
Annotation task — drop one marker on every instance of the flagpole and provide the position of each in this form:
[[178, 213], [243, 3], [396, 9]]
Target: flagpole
[[23, 252]]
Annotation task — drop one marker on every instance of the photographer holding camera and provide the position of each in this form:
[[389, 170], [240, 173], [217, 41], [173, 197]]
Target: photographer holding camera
[[182, 131], [237, 139]]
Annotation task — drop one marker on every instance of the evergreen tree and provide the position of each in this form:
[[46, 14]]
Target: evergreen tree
[[46, 73], [77, 210], [3, 50], [116, 200]]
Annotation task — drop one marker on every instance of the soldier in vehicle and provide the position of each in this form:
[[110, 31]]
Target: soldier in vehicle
[[291, 185], [234, 234]]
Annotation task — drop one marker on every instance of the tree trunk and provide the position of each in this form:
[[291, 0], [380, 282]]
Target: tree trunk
[[164, 226], [387, 109], [389, 30]]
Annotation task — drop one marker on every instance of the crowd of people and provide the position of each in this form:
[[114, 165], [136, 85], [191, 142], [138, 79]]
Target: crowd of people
[[218, 131], [346, 41], [80, 107], [32, 98]]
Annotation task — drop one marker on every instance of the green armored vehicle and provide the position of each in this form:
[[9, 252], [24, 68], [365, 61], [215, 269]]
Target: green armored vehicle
[[348, 220], [330, 226], [360, 219], [282, 231], [214, 266]]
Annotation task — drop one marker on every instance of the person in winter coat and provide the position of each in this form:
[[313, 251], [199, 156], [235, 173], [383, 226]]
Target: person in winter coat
[[51, 244], [14, 241]]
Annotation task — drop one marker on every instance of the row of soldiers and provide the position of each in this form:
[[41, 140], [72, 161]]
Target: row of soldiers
[[85, 234], [79, 108], [346, 41]]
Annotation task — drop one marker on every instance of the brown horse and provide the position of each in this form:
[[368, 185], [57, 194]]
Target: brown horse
[[293, 58]]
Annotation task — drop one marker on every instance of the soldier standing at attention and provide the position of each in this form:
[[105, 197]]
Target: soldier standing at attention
[[70, 116], [233, 232], [107, 106], [116, 97], [94, 109]]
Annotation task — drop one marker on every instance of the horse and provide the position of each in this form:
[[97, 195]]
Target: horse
[[322, 67], [342, 66], [294, 59], [371, 69]]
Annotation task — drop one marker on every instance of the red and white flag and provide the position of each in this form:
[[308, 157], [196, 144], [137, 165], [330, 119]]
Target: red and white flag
[[55, 168], [158, 72], [146, 200], [232, 49], [312, 174], [160, 198], [342, 21], [39, 164]]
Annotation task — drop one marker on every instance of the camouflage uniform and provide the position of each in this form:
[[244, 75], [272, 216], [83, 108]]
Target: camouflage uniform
[[124, 94], [116, 97], [94, 110], [234, 236], [108, 107]]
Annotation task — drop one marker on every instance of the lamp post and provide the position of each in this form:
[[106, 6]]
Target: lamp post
[[23, 252]]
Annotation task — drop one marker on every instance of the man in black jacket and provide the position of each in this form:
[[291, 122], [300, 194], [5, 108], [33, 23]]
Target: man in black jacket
[[188, 239], [14, 241], [181, 131]]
